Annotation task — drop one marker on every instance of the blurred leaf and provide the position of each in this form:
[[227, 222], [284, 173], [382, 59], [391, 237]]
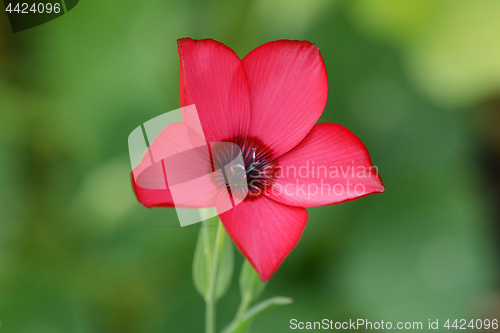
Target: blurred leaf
[[251, 287], [447, 45], [204, 256], [225, 265]]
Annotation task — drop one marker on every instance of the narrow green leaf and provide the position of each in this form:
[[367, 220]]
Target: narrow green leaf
[[251, 286], [244, 324], [266, 305]]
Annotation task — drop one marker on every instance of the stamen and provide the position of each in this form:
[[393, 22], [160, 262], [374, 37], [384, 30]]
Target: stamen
[[249, 173], [254, 165]]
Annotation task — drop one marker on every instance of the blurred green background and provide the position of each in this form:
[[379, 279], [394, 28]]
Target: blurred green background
[[418, 81]]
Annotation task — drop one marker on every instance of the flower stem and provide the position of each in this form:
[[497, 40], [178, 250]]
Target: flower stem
[[210, 301], [210, 316], [245, 302]]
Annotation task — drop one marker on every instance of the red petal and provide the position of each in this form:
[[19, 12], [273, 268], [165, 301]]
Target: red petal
[[288, 92], [329, 166], [152, 198], [179, 152], [213, 78], [265, 231]]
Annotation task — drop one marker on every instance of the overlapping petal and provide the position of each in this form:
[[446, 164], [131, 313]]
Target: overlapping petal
[[182, 154], [153, 197], [329, 166], [288, 92], [265, 231], [213, 78]]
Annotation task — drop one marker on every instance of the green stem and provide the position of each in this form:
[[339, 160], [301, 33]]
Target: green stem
[[211, 302], [242, 309], [210, 316], [244, 304]]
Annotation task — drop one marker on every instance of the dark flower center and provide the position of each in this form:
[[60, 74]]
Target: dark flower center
[[253, 170]]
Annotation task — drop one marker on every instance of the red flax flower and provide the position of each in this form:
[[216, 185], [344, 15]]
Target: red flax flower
[[268, 104]]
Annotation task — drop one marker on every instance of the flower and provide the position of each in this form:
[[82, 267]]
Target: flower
[[268, 104]]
